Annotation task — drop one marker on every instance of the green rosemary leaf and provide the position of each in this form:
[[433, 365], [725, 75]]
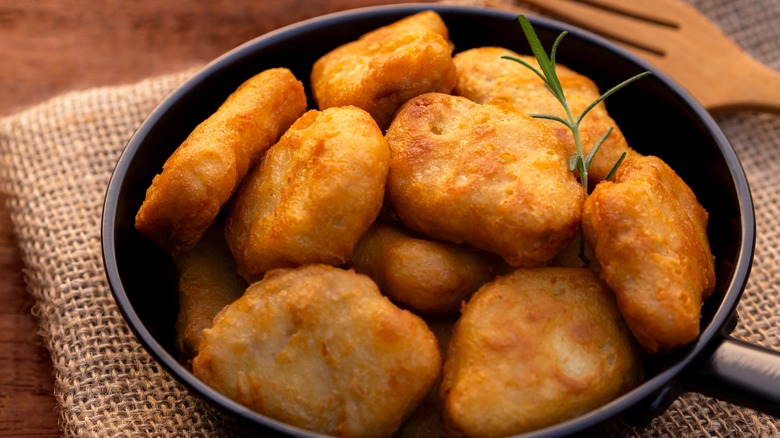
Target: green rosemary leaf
[[595, 149], [547, 72], [553, 53], [551, 117], [615, 167], [573, 160], [541, 56], [531, 67], [610, 92], [576, 163]]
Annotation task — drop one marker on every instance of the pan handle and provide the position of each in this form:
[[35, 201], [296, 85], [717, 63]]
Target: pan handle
[[739, 372]]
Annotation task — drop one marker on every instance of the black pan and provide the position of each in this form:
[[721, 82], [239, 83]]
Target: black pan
[[657, 116]]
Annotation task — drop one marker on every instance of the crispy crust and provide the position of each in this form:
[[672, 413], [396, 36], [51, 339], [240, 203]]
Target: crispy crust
[[318, 347], [386, 67], [487, 175], [483, 75], [426, 276], [208, 281], [313, 195], [204, 171], [648, 233], [534, 348]]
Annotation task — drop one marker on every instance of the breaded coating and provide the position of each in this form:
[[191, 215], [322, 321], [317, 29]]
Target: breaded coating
[[423, 275], [483, 75], [535, 348], [427, 421], [649, 234], [320, 348], [208, 281], [386, 67], [313, 195], [486, 175], [204, 171]]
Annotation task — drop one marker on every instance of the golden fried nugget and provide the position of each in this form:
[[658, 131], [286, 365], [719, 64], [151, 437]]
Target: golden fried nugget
[[208, 281], [426, 276], [483, 75], [204, 171], [427, 420], [386, 67], [534, 348], [649, 235], [320, 348], [313, 195], [487, 175]]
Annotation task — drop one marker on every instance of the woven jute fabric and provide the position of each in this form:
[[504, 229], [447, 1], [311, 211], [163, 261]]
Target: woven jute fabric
[[55, 163]]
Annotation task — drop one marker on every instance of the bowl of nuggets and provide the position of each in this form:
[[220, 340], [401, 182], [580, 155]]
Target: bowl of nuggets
[[383, 222]]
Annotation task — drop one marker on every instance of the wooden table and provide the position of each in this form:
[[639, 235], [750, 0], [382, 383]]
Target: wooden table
[[48, 48]]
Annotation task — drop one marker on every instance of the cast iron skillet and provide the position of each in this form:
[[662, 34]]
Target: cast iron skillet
[[657, 116]]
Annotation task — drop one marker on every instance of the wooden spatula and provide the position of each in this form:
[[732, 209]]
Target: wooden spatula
[[679, 40]]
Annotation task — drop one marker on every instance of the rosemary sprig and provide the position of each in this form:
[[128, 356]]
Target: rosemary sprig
[[547, 72]]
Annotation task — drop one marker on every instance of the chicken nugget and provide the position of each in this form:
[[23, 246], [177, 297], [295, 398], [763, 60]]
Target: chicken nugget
[[320, 348], [535, 348], [483, 75], [386, 67], [486, 175], [313, 195], [427, 421], [648, 233], [204, 171], [208, 281], [426, 276]]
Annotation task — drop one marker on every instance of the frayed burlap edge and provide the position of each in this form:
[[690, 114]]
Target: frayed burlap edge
[[56, 162]]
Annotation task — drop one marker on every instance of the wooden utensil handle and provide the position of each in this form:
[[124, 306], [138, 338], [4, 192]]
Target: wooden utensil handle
[[751, 85]]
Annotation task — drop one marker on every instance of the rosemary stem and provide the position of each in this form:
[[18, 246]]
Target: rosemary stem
[[574, 127], [582, 168]]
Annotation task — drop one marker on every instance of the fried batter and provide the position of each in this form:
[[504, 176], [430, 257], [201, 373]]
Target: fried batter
[[427, 421], [208, 281], [386, 67], [320, 348], [483, 75], [534, 348], [487, 175], [649, 234], [313, 195], [204, 171], [426, 276]]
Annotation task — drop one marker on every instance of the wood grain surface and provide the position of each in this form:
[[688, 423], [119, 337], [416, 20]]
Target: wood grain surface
[[50, 47]]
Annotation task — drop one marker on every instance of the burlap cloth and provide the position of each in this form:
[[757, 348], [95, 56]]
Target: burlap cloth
[[56, 161]]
